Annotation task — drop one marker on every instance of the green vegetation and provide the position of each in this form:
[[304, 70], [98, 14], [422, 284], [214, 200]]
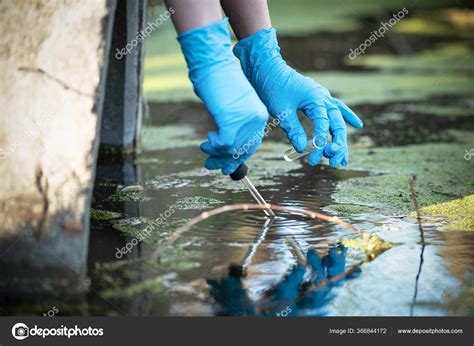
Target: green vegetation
[[370, 244], [459, 213], [443, 175], [101, 215], [151, 285], [337, 16], [129, 197], [132, 226], [196, 202], [440, 71]]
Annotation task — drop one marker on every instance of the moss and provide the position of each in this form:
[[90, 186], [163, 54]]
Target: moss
[[344, 209], [129, 197], [446, 70], [385, 194], [369, 244], [454, 57], [125, 228], [447, 22], [359, 88], [459, 213], [129, 188], [443, 175], [178, 259], [151, 285], [304, 16], [196, 202], [97, 214], [131, 226]]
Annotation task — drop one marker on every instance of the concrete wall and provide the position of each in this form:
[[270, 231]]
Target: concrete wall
[[53, 63]]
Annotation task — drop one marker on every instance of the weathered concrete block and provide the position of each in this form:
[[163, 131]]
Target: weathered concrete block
[[53, 59]]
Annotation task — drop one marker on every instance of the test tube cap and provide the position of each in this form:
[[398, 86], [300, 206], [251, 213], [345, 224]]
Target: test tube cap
[[330, 150], [240, 172]]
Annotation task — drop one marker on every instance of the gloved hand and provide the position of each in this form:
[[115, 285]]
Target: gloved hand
[[284, 91], [239, 114]]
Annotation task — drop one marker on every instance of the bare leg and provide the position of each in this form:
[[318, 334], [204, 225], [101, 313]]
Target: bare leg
[[247, 16], [192, 14]]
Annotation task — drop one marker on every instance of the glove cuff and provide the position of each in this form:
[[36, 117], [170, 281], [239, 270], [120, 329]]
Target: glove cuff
[[257, 53], [206, 49]]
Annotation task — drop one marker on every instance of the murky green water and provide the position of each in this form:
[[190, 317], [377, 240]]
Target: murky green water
[[180, 188]]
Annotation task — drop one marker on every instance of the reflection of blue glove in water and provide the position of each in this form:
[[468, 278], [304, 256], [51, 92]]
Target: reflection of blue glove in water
[[231, 295], [287, 289], [335, 261], [283, 91], [282, 297], [218, 80], [318, 273]]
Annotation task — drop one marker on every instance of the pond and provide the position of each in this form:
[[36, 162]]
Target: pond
[[192, 277]]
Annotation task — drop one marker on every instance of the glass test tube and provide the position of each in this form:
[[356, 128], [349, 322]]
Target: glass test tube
[[329, 150], [257, 196]]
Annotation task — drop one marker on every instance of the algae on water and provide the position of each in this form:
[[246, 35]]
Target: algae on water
[[370, 244], [459, 213], [103, 215], [129, 197], [443, 175], [129, 291], [196, 202]]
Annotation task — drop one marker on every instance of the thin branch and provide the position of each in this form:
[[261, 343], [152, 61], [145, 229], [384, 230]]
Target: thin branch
[[423, 244], [417, 208]]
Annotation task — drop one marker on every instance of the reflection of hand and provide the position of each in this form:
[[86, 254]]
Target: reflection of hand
[[282, 297], [281, 88], [231, 295], [238, 113], [287, 289], [335, 261], [318, 273]]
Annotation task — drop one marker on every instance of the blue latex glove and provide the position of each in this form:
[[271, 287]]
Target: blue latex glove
[[284, 91], [239, 114]]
